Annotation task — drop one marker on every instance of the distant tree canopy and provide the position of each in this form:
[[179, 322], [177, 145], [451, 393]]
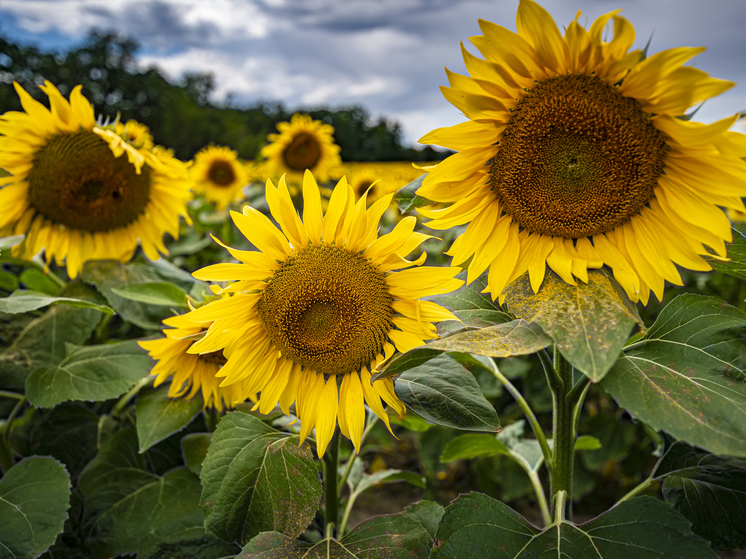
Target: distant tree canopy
[[181, 116]]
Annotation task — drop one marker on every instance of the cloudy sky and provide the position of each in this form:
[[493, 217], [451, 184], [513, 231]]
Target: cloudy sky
[[387, 55]]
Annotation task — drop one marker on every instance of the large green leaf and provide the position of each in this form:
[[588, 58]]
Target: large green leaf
[[194, 449], [736, 266], [385, 537], [589, 322], [708, 490], [477, 526], [517, 337], [36, 280], [92, 373], [25, 301], [154, 293], [44, 341], [686, 375], [34, 498], [256, 479], [158, 416], [107, 276], [135, 511], [474, 309], [443, 392]]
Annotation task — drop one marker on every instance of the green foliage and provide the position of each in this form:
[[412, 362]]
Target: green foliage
[[34, 498], [478, 526], [686, 374], [92, 373], [154, 293], [256, 479], [516, 337], [589, 322], [445, 393], [159, 416], [25, 301]]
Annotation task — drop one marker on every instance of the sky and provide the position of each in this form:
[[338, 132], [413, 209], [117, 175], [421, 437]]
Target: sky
[[386, 55]]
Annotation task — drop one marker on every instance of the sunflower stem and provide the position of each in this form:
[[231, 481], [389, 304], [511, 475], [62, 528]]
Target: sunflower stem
[[564, 432], [372, 419], [527, 411], [122, 403], [331, 469]]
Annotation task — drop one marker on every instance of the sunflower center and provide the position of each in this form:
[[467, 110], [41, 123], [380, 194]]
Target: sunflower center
[[328, 310], [76, 181], [303, 152], [577, 158], [221, 173], [362, 187]]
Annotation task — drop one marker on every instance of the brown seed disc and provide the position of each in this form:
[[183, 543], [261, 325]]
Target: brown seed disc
[[577, 158], [327, 309], [303, 152], [221, 173], [76, 181]]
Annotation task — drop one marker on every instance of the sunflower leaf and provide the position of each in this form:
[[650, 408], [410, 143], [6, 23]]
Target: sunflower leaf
[[736, 266], [589, 322], [135, 511], [384, 537], [256, 479], [687, 375], [194, 449], [25, 301], [473, 309], [517, 337], [159, 416], [93, 373], [34, 498], [712, 495], [407, 198], [477, 526], [443, 392], [153, 293]]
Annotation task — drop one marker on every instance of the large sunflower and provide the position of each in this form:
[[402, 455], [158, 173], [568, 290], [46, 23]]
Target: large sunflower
[[303, 144], [319, 306], [219, 175], [577, 155], [74, 194], [192, 373]]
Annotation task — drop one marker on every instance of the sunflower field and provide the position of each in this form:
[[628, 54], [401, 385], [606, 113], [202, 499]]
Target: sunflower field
[[295, 338]]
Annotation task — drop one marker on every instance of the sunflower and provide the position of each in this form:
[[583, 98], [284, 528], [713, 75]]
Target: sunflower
[[577, 155], [219, 175], [319, 306], [190, 372], [379, 178], [137, 135], [74, 195], [302, 144]]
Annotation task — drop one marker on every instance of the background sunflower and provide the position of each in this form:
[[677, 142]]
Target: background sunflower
[[219, 175]]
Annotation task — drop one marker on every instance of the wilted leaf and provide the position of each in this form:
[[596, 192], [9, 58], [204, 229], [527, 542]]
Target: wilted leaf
[[445, 393], [517, 337], [686, 376], [477, 526], [158, 416], [89, 373], [34, 498], [589, 322], [257, 479], [153, 293]]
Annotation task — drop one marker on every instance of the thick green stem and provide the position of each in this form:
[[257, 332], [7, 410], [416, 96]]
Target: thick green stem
[[527, 411], [331, 467], [564, 430]]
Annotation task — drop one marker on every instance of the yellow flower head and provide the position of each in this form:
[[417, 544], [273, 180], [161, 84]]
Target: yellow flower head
[[219, 175], [576, 156], [319, 306], [72, 191], [303, 144], [136, 134], [191, 373]]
